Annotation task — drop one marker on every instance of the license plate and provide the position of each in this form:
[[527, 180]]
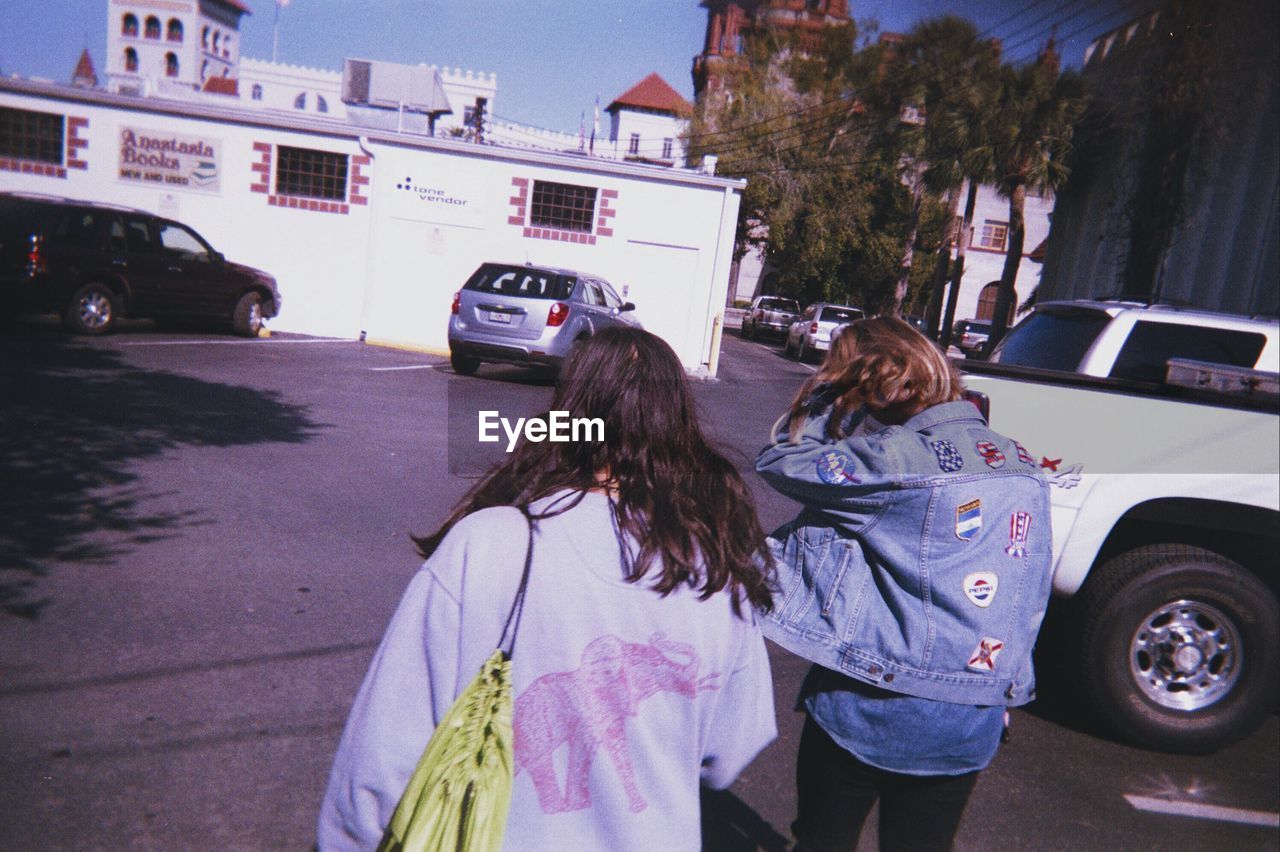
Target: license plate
[[494, 316]]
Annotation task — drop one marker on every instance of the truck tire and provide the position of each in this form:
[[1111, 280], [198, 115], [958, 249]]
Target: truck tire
[[92, 310], [1179, 648], [246, 320]]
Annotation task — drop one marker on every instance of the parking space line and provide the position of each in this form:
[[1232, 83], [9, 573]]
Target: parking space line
[[274, 341], [410, 367], [1195, 810]]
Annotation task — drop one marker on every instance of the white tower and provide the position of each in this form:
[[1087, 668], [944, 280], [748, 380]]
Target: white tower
[[154, 45]]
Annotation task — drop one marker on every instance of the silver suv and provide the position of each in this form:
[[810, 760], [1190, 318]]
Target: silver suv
[[528, 314]]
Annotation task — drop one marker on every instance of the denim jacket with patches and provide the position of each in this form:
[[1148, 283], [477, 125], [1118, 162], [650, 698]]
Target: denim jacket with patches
[[922, 561]]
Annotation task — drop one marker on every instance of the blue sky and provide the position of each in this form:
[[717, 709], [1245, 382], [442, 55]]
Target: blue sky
[[551, 56]]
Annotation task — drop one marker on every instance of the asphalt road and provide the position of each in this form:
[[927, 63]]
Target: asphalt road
[[202, 538]]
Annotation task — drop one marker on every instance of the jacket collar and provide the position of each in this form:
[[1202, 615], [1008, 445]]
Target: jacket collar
[[947, 412]]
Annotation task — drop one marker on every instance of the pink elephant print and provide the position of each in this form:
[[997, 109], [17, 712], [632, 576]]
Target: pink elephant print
[[588, 707]]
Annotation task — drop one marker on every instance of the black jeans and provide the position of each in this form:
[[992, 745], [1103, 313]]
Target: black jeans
[[836, 792]]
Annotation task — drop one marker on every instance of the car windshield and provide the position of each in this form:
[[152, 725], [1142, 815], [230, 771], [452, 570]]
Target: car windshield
[[1051, 340], [520, 282], [780, 305], [830, 314]]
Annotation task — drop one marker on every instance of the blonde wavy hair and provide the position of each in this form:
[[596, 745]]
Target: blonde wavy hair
[[880, 363]]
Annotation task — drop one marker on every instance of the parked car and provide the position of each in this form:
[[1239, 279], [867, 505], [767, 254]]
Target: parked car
[[771, 314], [811, 332], [528, 314], [971, 335], [94, 263]]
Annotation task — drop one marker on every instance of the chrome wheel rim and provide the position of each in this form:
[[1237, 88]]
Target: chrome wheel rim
[[1186, 655], [95, 310], [255, 317]]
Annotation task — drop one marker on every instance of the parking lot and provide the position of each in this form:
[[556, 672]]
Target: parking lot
[[202, 538]]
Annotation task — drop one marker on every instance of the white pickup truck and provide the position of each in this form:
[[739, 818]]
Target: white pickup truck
[[1160, 430]]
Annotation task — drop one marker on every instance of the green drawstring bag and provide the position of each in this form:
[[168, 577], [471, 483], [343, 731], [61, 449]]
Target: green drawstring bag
[[459, 793]]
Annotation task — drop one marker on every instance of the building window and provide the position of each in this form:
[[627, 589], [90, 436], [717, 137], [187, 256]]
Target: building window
[[634, 147], [153, 27], [666, 149], [28, 135], [130, 60], [987, 302], [321, 104], [256, 92], [171, 64], [300, 102], [563, 206], [993, 236], [204, 38], [129, 26], [217, 40], [204, 71], [226, 47], [175, 29], [306, 173]]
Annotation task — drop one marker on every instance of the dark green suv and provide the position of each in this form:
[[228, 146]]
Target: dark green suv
[[93, 263]]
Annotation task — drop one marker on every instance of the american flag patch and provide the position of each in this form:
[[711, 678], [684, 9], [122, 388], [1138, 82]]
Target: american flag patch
[[949, 458], [990, 454]]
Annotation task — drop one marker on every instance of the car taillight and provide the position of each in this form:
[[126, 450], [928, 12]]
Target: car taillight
[[979, 401], [813, 329], [457, 302], [33, 256], [558, 314]]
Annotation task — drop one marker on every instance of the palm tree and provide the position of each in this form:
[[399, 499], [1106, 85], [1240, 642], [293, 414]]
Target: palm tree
[[1031, 143]]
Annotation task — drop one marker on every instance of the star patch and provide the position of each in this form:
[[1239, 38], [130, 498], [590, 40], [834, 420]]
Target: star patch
[[1019, 529], [833, 468], [990, 454], [980, 588], [969, 520], [983, 658], [949, 458]]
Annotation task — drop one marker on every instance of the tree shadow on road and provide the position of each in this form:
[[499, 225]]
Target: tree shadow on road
[[730, 825], [76, 419]]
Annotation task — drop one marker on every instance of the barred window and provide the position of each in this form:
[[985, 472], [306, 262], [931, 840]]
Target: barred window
[[311, 174], [563, 206], [27, 135]]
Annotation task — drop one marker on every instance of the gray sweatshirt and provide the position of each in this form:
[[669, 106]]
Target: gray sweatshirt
[[625, 701]]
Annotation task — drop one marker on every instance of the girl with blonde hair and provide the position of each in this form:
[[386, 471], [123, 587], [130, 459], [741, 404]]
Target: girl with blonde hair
[[914, 578]]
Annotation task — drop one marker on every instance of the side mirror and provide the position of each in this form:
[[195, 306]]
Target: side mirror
[[217, 257], [628, 306]]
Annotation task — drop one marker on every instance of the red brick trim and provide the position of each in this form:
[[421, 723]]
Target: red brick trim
[[607, 213], [312, 204], [75, 142], [519, 202], [27, 167], [358, 179], [261, 170], [261, 174]]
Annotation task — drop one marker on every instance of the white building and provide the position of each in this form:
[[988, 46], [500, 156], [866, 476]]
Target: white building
[[162, 45], [647, 121], [370, 232]]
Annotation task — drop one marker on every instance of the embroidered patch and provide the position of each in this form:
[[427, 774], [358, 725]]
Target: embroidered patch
[[983, 658], [1023, 455], [991, 454], [968, 520], [948, 456], [833, 469], [980, 588], [1019, 529]]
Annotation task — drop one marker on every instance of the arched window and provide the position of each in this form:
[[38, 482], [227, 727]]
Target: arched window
[[153, 27], [300, 102], [256, 92], [171, 64], [130, 60], [217, 40], [226, 47], [987, 302], [204, 71], [204, 38], [321, 104], [129, 26], [175, 29]]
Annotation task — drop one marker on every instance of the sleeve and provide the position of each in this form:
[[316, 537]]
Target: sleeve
[[824, 473], [744, 719], [411, 683]]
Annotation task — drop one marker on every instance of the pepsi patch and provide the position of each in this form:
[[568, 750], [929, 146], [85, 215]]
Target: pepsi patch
[[990, 454], [833, 468], [1019, 529], [949, 458], [969, 520], [983, 658], [980, 588]]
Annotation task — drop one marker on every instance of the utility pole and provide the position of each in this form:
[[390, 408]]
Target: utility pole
[[481, 103]]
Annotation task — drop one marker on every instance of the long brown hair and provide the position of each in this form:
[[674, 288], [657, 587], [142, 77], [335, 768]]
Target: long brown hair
[[878, 362], [678, 498]]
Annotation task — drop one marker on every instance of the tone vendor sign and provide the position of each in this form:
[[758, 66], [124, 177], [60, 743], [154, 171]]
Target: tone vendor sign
[[168, 160]]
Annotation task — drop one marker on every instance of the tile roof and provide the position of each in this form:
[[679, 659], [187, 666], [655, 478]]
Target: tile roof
[[652, 92], [237, 5], [85, 70], [222, 86]]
